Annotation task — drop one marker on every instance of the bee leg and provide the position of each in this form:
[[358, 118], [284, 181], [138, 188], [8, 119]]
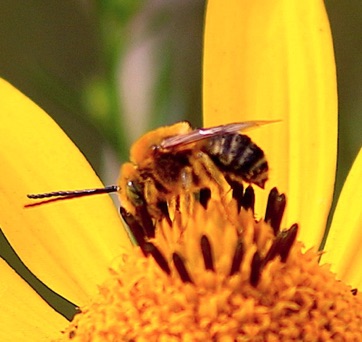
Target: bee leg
[[145, 219], [163, 206], [211, 176], [135, 198], [188, 185], [237, 192], [136, 230]]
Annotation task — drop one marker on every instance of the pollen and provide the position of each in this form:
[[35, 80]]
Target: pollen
[[218, 274]]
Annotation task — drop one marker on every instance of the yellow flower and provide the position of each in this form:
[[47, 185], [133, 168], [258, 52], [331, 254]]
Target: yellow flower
[[279, 64], [274, 60], [217, 273], [68, 247]]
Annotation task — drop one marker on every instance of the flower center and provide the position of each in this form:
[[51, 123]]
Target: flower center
[[217, 274]]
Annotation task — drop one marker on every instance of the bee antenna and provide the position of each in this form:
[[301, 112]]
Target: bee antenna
[[76, 193]]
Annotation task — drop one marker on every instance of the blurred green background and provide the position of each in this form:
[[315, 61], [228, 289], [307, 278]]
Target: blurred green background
[[71, 57], [107, 71]]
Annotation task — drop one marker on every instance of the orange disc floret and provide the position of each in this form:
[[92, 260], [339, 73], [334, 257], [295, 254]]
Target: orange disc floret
[[218, 275]]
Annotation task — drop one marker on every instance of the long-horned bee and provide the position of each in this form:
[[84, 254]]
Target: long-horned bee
[[177, 158]]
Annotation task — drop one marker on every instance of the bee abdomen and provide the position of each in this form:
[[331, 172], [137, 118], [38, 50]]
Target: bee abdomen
[[238, 155]]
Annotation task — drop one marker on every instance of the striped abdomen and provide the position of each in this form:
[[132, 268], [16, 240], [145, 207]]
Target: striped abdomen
[[237, 155]]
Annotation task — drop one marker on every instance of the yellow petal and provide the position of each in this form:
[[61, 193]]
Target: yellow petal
[[343, 246], [267, 60], [67, 244], [24, 316]]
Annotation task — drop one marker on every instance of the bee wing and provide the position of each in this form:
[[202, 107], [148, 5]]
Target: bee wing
[[204, 133]]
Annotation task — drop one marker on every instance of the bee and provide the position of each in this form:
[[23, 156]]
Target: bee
[[179, 159]]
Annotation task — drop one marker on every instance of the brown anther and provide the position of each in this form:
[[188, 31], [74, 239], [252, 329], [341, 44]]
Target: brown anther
[[275, 209], [249, 199], [146, 220], [256, 266], [272, 253], [237, 258], [150, 248], [162, 205], [281, 245], [181, 268], [287, 239], [207, 253], [238, 191], [204, 197]]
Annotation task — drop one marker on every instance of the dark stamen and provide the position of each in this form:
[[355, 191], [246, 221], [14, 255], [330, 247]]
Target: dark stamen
[[157, 255], [249, 198], [204, 197], [177, 204], [237, 258], [275, 209], [282, 245], [287, 239], [135, 228], [207, 253], [162, 205], [238, 191], [181, 268], [354, 292], [145, 220], [272, 253], [256, 265]]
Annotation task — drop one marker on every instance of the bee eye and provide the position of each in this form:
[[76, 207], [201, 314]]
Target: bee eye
[[134, 193]]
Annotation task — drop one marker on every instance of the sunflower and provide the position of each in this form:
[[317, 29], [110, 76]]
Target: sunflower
[[219, 273]]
